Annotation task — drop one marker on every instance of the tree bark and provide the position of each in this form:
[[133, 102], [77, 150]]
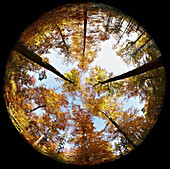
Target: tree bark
[[128, 138], [133, 43], [44, 135], [154, 64], [123, 32], [40, 138], [36, 108], [61, 34], [141, 47], [86, 144], [21, 48], [108, 22], [85, 30]]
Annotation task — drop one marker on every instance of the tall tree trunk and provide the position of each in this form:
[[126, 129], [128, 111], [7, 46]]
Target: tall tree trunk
[[141, 47], [154, 64], [45, 133], [21, 48], [86, 144], [85, 31], [130, 140], [107, 25], [139, 37], [61, 34], [123, 32], [40, 138], [134, 42]]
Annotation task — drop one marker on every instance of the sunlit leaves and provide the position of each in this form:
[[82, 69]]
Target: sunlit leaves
[[90, 148], [59, 116], [73, 75]]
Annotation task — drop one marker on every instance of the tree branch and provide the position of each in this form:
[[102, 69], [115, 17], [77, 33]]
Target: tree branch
[[36, 108]]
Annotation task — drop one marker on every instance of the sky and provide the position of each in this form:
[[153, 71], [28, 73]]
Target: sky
[[107, 59]]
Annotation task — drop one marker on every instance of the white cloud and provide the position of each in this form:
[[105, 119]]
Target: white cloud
[[109, 60]]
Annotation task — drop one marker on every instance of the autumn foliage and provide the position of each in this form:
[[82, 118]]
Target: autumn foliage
[[50, 90]]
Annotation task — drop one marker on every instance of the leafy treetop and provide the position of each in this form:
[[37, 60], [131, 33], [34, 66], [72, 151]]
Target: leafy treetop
[[57, 89]]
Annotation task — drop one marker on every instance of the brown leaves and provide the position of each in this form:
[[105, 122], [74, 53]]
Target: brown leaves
[[90, 147], [67, 118]]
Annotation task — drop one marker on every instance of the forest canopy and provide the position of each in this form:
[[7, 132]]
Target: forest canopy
[[84, 84]]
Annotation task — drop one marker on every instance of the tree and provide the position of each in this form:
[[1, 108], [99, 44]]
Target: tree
[[85, 30], [146, 86], [20, 47], [89, 147], [142, 69], [108, 116], [87, 115]]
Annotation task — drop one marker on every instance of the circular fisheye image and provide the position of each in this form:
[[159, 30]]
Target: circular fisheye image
[[84, 84]]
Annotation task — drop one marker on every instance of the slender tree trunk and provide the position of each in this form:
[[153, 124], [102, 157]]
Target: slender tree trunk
[[86, 144], [61, 34], [123, 32], [20, 47], [108, 22], [154, 64], [139, 37], [44, 135], [40, 138], [133, 43], [85, 30], [37, 31], [130, 140], [62, 37], [141, 47]]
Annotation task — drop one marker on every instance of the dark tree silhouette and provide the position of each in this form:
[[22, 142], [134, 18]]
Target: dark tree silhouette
[[21, 48], [154, 64]]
